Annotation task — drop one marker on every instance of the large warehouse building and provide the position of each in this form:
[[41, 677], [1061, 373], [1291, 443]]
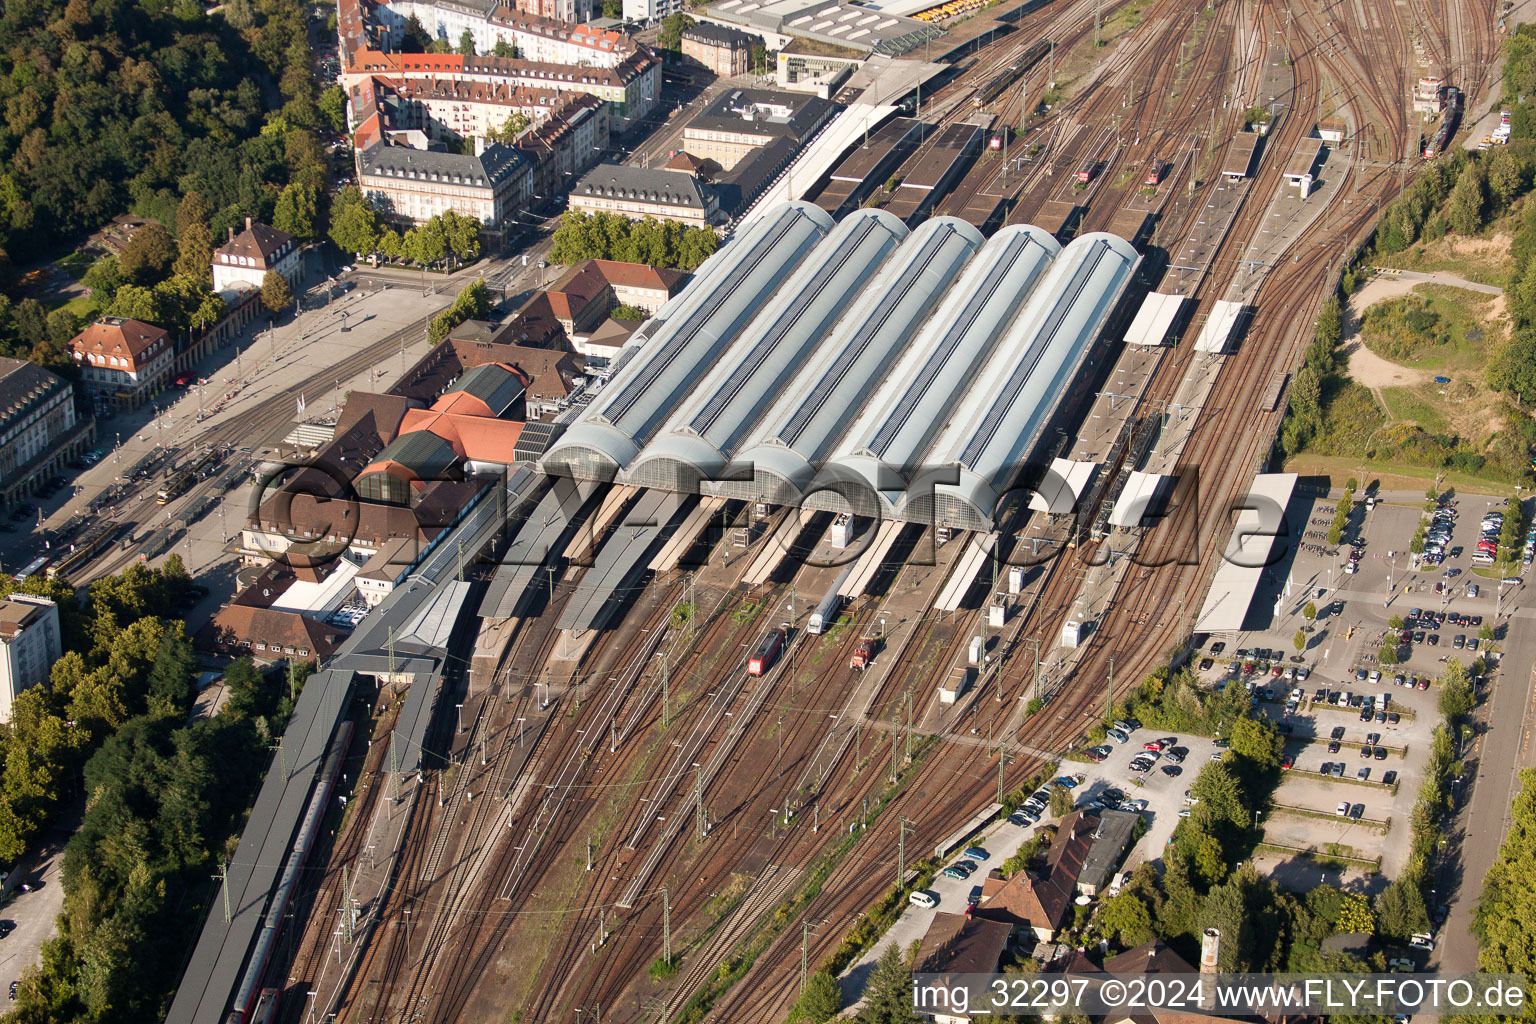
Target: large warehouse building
[[907, 374]]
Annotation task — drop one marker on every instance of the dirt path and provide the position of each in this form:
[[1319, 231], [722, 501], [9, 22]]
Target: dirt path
[[1364, 365]]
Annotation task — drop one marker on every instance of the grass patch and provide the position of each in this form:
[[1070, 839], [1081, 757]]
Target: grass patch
[[1480, 264], [1394, 477], [1436, 328], [1330, 858], [1410, 404]]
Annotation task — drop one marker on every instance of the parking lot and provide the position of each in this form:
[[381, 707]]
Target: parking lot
[[1164, 796], [1354, 609]]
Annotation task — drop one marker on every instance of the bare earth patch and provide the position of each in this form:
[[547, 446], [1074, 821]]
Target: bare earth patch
[[1498, 245], [1375, 372]]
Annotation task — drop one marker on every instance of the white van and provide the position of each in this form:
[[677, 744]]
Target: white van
[[923, 898]]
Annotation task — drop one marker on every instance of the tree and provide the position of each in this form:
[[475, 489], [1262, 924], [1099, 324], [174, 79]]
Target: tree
[[1456, 698], [426, 244], [1388, 654], [670, 37], [888, 994], [333, 107], [355, 227], [467, 43], [104, 277], [623, 311], [137, 303], [1355, 915], [148, 255], [1465, 213], [505, 49], [820, 1001], [1255, 741], [1400, 911], [1309, 612], [613, 9], [275, 293], [194, 253], [1299, 641], [516, 123], [1395, 622], [462, 235], [1126, 915], [296, 211], [1061, 801]]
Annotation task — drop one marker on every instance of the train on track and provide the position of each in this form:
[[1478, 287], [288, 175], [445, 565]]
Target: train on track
[[1449, 122], [999, 83], [766, 654], [179, 481], [826, 612], [82, 551], [1155, 173], [249, 997]]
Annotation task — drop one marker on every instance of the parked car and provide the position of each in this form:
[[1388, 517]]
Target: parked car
[[923, 898], [976, 853], [1389, 778], [1343, 809]]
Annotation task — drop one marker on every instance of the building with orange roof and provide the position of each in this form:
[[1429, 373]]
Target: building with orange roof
[[122, 362]]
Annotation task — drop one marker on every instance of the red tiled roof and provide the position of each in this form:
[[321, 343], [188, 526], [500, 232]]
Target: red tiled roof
[[640, 275], [480, 438], [116, 336], [281, 633]]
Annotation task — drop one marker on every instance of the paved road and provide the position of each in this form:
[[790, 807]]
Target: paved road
[[1501, 749], [33, 913]]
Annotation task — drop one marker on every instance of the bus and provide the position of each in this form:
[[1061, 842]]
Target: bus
[[33, 568], [766, 654]]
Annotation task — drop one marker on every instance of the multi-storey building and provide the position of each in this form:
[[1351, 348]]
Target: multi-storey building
[[631, 85], [534, 36], [638, 192], [415, 185], [567, 144], [560, 10], [725, 51], [644, 11], [739, 121], [242, 262], [29, 645], [122, 362], [38, 426]]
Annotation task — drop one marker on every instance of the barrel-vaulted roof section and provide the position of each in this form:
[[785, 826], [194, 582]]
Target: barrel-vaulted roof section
[[892, 434], [731, 287], [806, 422], [698, 439], [1016, 393]]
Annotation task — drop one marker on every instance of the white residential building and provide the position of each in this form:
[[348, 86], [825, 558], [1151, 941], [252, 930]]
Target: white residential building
[[29, 645], [241, 263]]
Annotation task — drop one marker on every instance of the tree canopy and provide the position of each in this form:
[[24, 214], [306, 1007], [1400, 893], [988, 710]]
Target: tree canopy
[[112, 107], [608, 236]]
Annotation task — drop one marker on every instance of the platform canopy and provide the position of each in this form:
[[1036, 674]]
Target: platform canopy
[[1217, 331], [1260, 525], [1154, 320]]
